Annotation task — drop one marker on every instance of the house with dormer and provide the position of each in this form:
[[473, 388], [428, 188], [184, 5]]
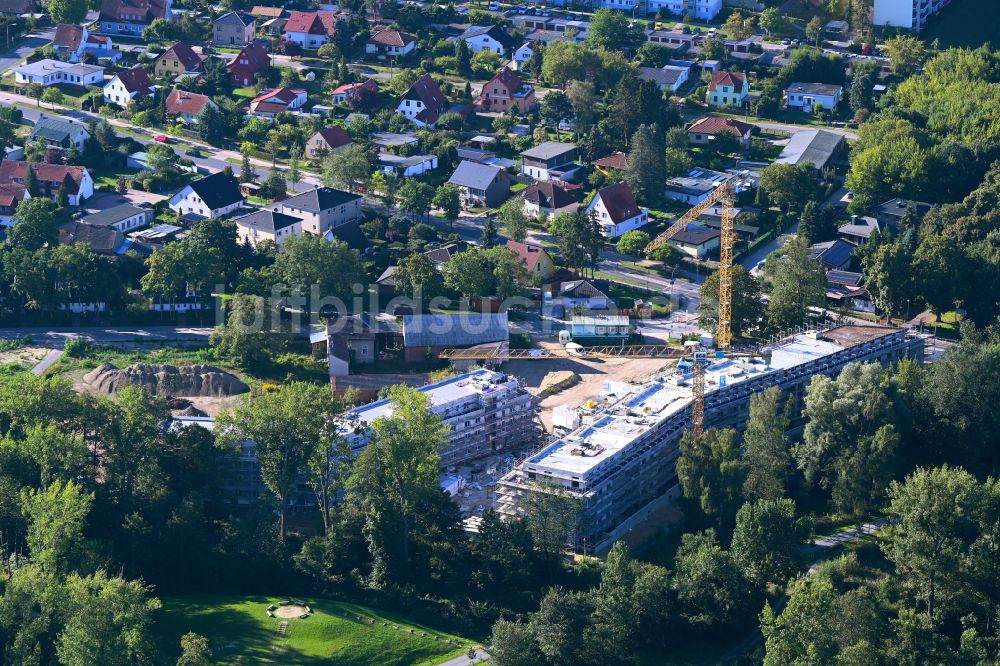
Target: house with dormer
[[506, 91], [310, 30], [50, 177], [127, 85], [252, 59], [179, 60], [615, 209], [389, 44], [423, 103], [131, 17]]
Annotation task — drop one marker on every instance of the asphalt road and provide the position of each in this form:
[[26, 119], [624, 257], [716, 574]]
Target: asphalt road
[[58, 336]]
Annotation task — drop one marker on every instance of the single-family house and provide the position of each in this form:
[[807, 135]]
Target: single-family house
[[551, 159], [124, 217], [426, 335], [891, 212], [695, 187], [704, 130], [216, 195], [322, 209], [11, 194], [267, 225], [860, 229], [48, 72], [105, 241], [179, 60], [234, 29], [406, 166], [76, 179], [582, 294], [806, 96], [728, 89], [616, 161], [271, 102], [835, 255], [188, 106], [127, 85], [696, 241], [252, 59], [310, 30], [506, 92], [487, 38], [72, 42], [389, 44], [816, 147], [610, 327], [481, 184], [328, 140], [667, 77], [59, 133], [544, 197], [131, 17], [344, 94], [523, 54], [424, 102], [537, 261], [616, 211]]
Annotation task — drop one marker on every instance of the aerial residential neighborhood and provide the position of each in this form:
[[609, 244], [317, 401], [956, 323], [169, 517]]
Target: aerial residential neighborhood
[[580, 332]]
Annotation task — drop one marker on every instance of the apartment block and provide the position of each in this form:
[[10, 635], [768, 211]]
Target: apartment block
[[910, 14], [618, 453], [487, 412]]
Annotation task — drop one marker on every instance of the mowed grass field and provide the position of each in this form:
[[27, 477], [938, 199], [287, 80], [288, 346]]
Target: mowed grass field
[[969, 23], [240, 632]]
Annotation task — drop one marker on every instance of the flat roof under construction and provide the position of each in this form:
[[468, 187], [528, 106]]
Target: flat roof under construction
[[635, 409]]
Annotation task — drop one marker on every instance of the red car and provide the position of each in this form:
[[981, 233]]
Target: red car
[[161, 139]]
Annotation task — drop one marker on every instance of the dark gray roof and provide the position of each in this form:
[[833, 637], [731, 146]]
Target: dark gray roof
[[351, 234], [548, 150], [454, 330], [495, 31], [666, 75], [832, 254], [217, 190], [54, 129], [106, 218], [239, 17], [844, 278], [474, 175], [816, 147], [267, 221], [696, 235], [814, 88], [389, 159], [320, 199], [896, 208]]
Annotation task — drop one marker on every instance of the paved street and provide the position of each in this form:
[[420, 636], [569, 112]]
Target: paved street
[[120, 334], [10, 57]]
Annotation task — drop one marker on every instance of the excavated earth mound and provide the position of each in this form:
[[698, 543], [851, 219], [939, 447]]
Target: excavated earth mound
[[172, 380]]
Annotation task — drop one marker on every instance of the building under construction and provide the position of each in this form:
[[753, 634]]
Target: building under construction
[[618, 453], [487, 412]]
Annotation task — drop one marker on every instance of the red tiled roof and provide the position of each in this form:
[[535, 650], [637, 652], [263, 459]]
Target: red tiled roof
[[548, 195], [619, 202], [283, 96], [508, 78], [334, 136], [529, 254], [714, 125], [11, 194], [181, 101], [734, 79], [136, 80], [250, 60], [68, 36], [128, 10], [267, 12], [14, 170], [391, 38], [617, 160], [184, 54], [314, 23], [350, 87]]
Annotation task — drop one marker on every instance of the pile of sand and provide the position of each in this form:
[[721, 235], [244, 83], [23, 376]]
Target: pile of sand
[[189, 380]]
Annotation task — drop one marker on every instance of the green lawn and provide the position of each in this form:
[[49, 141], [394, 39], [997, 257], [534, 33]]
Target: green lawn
[[240, 632], [962, 24]]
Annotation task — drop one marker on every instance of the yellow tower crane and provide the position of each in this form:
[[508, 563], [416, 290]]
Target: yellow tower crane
[[721, 195]]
